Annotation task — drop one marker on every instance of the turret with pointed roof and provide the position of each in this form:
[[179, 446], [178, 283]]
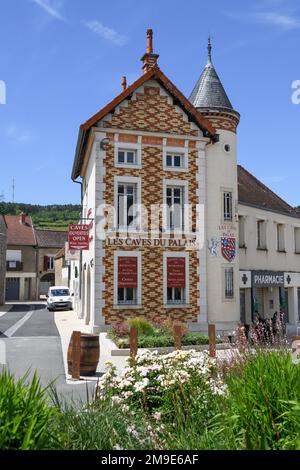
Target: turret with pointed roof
[[210, 97]]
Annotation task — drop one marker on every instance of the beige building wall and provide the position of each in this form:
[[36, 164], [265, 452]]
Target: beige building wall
[[254, 259]]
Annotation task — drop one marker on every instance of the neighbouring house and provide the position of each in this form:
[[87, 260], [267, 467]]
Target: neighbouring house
[[21, 258], [48, 243], [67, 270], [3, 236], [178, 229], [61, 269]]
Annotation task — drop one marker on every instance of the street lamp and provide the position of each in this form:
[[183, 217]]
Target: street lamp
[[104, 143]]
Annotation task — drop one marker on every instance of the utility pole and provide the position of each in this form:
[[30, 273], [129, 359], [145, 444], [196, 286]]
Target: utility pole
[[13, 190]]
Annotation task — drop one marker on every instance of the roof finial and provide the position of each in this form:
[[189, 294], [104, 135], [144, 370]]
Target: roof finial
[[209, 48], [149, 58], [149, 41]]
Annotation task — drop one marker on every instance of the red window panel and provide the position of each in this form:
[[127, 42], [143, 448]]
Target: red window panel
[[176, 272], [127, 271]]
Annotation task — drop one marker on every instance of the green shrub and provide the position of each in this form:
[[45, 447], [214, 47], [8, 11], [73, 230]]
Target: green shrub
[[264, 401], [98, 426], [143, 326], [24, 413]]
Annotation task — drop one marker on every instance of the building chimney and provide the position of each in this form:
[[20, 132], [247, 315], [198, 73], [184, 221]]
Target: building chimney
[[23, 218], [149, 59], [124, 83]]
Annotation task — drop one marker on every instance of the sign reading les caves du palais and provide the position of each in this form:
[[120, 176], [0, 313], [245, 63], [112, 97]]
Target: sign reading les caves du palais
[[78, 237]]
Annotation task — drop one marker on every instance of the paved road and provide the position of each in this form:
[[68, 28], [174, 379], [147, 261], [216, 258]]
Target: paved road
[[31, 342]]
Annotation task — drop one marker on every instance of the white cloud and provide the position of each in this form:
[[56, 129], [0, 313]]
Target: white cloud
[[105, 32], [285, 20], [19, 137], [49, 7], [282, 20]]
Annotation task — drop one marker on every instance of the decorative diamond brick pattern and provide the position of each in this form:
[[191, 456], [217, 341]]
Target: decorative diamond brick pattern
[[151, 112]]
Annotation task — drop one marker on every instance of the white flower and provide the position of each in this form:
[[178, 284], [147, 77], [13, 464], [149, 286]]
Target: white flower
[[140, 386]]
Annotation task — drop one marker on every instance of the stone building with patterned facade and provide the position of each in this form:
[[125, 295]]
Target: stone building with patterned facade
[[160, 188]]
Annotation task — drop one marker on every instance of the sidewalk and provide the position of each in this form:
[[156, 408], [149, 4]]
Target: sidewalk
[[4, 309], [67, 322]]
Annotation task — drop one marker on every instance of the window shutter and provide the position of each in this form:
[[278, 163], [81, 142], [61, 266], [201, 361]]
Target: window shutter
[[45, 263]]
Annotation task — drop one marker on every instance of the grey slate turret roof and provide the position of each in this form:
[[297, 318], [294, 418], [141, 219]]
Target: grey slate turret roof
[[209, 92]]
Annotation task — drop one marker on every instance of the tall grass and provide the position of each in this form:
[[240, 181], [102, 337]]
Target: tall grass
[[24, 413], [264, 401]]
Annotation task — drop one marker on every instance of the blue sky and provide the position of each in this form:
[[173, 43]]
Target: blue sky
[[62, 60]]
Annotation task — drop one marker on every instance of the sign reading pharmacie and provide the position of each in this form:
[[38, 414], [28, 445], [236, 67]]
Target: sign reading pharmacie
[[267, 279], [78, 237]]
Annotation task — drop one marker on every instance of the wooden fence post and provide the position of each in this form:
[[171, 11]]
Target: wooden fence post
[[133, 342], [295, 338], [212, 340], [76, 355], [177, 332]]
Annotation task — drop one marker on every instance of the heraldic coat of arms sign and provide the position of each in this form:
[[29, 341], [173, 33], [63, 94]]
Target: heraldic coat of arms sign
[[228, 248]]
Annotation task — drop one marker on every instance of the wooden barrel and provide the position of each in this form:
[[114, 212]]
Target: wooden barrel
[[89, 354]]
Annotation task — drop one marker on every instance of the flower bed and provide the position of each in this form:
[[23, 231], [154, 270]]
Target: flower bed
[[153, 335]]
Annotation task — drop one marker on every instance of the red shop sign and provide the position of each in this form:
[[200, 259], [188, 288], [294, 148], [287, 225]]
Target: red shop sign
[[127, 271], [78, 237], [176, 272]]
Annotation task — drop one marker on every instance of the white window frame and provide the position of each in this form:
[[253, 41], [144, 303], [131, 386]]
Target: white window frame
[[136, 147], [225, 268], [14, 255], [242, 233], [262, 235], [127, 180], [174, 254], [138, 255], [280, 237], [185, 185], [297, 239], [50, 257], [231, 219], [182, 151]]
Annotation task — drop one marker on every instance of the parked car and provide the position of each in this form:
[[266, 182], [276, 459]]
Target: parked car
[[59, 297]]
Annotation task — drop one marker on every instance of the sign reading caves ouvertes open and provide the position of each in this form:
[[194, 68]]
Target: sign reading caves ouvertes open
[[78, 237]]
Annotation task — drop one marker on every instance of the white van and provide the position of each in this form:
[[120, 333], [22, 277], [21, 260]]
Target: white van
[[59, 297]]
